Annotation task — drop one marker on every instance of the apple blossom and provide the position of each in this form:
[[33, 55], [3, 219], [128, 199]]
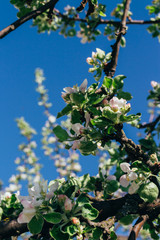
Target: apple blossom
[[68, 204], [126, 179], [77, 128], [82, 35], [52, 119], [90, 61], [154, 84], [119, 105], [28, 212]]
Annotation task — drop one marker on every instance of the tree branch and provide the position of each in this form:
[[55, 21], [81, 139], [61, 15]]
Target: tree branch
[[50, 5], [129, 204], [137, 227], [151, 125], [110, 67], [11, 228], [27, 17]]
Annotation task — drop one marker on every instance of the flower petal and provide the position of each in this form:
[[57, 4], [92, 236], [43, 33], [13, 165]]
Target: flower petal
[[124, 181]]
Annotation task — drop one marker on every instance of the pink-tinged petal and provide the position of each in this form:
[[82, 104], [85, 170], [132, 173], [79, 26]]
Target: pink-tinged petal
[[89, 60], [154, 84], [83, 86], [133, 188], [68, 204], [77, 128], [26, 203], [26, 215], [111, 177], [125, 167], [124, 181], [69, 90], [132, 176], [76, 145]]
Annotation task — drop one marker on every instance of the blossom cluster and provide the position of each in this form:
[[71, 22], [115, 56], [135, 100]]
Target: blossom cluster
[[129, 178], [38, 194]]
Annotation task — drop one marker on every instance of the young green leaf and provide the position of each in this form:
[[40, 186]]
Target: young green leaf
[[36, 224], [89, 212], [53, 217], [60, 133]]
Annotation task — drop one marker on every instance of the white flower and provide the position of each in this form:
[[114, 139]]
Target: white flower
[[76, 167], [126, 179], [52, 119], [67, 8], [119, 105], [89, 60], [51, 140], [52, 188], [94, 55], [21, 168], [82, 35], [133, 188], [154, 84], [77, 128], [125, 167], [28, 212]]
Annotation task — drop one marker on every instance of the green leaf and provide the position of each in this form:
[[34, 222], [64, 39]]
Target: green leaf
[[112, 186], [101, 122], [82, 199], [71, 230], [111, 129], [118, 81], [57, 234], [129, 118], [53, 217], [77, 98], [76, 117], [107, 82], [87, 147], [97, 233], [148, 192], [148, 144], [124, 95], [65, 111], [36, 224], [89, 212], [94, 2], [128, 219], [110, 114], [60, 133]]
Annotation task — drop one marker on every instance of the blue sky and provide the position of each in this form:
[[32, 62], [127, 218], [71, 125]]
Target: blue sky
[[64, 64]]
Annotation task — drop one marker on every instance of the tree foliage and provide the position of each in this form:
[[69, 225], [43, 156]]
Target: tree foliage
[[126, 188]]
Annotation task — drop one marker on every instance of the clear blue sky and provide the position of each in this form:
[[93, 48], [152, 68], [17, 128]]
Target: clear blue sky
[[64, 64]]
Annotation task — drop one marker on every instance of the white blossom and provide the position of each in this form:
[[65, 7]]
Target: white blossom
[[52, 119], [77, 128], [154, 84]]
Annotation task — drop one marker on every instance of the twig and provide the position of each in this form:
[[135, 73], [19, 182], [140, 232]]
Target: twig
[[42, 9], [110, 67], [137, 227], [27, 17], [151, 125]]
